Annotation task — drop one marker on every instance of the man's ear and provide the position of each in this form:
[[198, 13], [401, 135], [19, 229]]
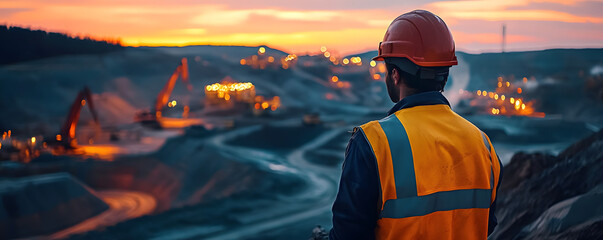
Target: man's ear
[[396, 76]]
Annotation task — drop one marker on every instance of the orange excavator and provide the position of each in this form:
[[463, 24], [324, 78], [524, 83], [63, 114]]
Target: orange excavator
[[151, 118], [66, 137], [65, 141]]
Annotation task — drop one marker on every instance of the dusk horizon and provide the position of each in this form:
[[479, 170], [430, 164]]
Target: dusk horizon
[[345, 27]]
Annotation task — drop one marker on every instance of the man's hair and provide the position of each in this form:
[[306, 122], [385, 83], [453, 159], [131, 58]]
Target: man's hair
[[419, 84]]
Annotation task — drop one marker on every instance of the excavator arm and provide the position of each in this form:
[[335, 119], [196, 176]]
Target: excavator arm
[[68, 129], [164, 94]]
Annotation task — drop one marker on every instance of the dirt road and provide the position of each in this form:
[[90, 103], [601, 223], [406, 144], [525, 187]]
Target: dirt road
[[123, 205]]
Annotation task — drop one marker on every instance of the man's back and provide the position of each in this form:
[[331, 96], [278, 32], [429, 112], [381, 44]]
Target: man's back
[[435, 174]]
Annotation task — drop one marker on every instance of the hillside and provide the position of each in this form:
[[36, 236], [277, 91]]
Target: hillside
[[568, 81]]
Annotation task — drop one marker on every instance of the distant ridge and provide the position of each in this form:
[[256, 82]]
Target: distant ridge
[[22, 44], [221, 50], [564, 64], [370, 54]]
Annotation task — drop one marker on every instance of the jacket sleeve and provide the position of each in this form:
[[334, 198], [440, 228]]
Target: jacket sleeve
[[355, 210], [492, 220]]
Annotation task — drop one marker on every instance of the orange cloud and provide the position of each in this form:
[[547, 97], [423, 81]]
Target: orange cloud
[[500, 11], [525, 15], [564, 2]]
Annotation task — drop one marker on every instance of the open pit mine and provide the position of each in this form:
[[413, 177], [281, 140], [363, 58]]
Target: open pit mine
[[229, 142]]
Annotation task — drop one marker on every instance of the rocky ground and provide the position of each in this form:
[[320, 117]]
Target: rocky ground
[[553, 197]]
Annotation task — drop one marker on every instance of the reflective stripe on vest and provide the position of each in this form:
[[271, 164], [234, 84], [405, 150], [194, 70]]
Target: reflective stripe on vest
[[404, 174]]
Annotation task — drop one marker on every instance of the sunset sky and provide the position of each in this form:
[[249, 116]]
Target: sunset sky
[[305, 25]]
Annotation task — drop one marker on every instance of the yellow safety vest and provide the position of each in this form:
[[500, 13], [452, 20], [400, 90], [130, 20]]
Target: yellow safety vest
[[438, 174]]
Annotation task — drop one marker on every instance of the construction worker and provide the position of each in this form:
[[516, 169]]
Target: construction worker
[[422, 172]]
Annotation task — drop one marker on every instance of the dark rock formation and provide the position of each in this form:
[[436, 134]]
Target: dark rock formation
[[44, 204], [553, 197]]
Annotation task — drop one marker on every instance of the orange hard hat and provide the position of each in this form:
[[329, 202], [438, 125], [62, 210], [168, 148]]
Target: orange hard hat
[[420, 36]]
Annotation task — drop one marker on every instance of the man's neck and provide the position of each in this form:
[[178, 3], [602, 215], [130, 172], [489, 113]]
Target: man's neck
[[406, 92]]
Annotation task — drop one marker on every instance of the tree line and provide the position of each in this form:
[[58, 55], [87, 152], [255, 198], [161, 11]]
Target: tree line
[[22, 44]]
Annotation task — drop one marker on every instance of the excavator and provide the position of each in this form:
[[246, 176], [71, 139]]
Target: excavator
[[66, 137], [151, 118], [65, 141]]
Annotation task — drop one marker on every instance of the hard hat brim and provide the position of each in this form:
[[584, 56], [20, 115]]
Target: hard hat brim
[[420, 63], [378, 58]]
